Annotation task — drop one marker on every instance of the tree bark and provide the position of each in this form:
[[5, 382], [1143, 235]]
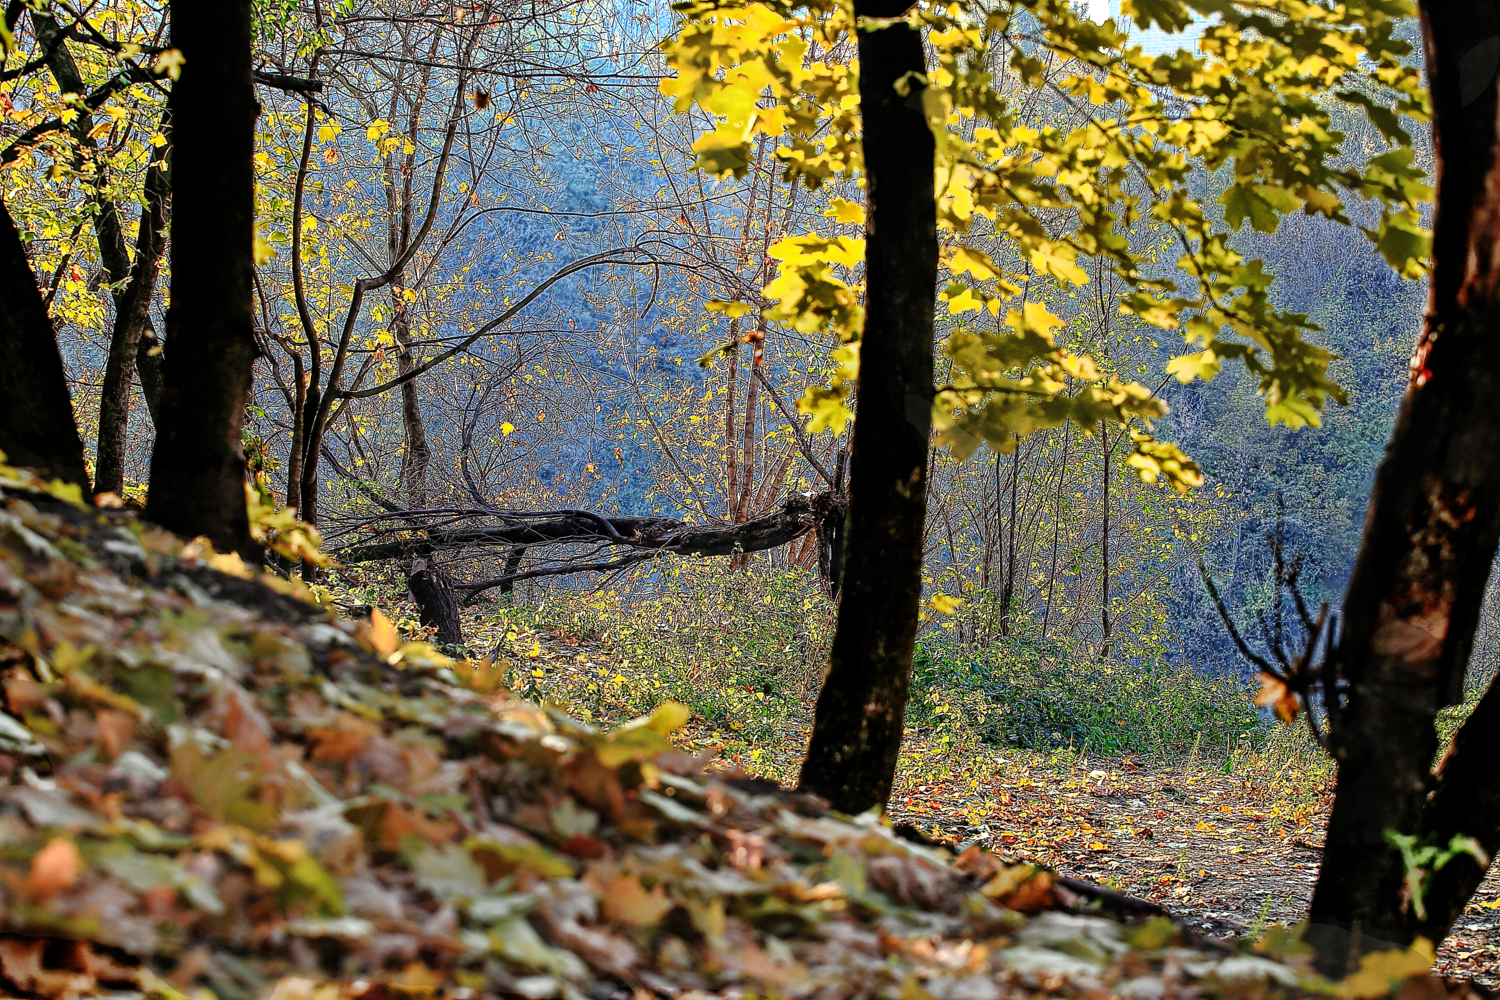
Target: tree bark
[[132, 317], [1465, 802], [198, 467], [831, 511], [1104, 549], [133, 300], [418, 454], [437, 602], [1430, 535], [37, 429], [851, 758]]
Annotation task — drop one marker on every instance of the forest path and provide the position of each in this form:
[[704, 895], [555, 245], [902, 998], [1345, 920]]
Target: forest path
[[1225, 853], [1228, 853]]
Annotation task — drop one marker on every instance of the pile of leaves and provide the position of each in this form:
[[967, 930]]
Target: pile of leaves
[[214, 787]]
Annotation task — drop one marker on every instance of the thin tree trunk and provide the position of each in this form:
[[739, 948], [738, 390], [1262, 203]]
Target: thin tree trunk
[[37, 429], [1062, 475], [1430, 535], [747, 441], [1008, 548], [731, 457], [198, 467], [857, 730], [1104, 550], [417, 457]]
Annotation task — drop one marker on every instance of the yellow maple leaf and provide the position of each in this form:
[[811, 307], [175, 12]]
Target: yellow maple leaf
[[849, 212]]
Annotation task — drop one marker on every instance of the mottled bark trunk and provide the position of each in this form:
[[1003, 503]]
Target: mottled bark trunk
[[1430, 535], [198, 467], [37, 429], [437, 602], [851, 759]]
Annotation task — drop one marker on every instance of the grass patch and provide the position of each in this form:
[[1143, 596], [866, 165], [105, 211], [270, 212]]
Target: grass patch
[[1041, 694], [746, 652]]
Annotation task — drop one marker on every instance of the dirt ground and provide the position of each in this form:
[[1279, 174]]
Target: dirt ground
[[1227, 857], [1229, 854]]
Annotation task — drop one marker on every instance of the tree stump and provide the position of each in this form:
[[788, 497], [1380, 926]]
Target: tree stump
[[437, 602]]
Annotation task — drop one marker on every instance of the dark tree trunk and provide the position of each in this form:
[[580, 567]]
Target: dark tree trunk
[[133, 300], [512, 567], [1430, 535], [132, 316], [198, 467], [1465, 802], [36, 412], [437, 602], [148, 371], [831, 512], [851, 759]]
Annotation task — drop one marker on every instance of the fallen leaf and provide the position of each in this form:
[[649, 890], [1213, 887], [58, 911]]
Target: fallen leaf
[[54, 868]]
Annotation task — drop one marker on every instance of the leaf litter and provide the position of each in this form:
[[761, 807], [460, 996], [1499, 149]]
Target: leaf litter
[[216, 788]]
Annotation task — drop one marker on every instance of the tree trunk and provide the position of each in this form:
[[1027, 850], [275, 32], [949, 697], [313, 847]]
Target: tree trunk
[[512, 567], [1465, 802], [831, 511], [1430, 534], [1104, 549], [133, 300], [437, 602], [198, 467], [37, 429], [132, 316], [148, 371], [1062, 475], [851, 759], [418, 454]]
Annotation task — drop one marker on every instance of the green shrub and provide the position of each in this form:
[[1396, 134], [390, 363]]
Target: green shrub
[[1023, 691]]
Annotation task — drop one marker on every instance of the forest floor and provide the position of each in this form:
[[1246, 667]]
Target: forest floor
[[1229, 846], [1225, 854]]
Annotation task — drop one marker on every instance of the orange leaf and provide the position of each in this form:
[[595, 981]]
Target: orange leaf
[[628, 902], [54, 868], [383, 635], [1271, 691]]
